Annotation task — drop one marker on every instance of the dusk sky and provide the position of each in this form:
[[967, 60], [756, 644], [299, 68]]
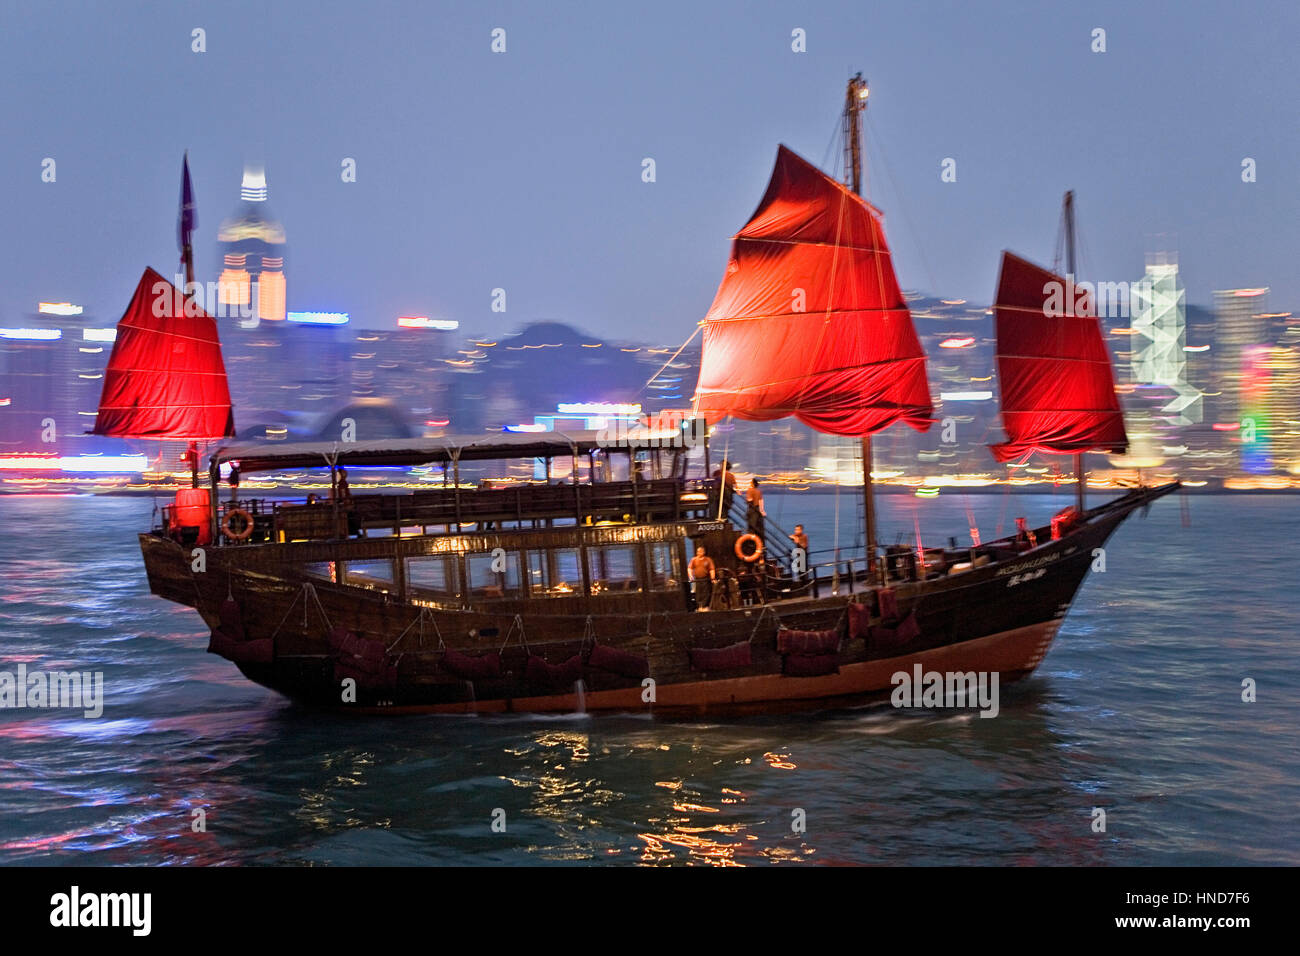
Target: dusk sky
[[522, 170]]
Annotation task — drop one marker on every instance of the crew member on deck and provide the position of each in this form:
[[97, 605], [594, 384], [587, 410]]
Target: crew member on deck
[[234, 482], [343, 495], [726, 479], [800, 540], [702, 573], [755, 513]]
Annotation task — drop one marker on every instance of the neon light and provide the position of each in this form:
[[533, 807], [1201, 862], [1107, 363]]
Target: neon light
[[58, 308], [1196, 348], [424, 322], [525, 428], [1249, 292], [961, 343], [34, 335], [965, 396], [134, 464], [99, 335], [1256, 424], [597, 408], [253, 186], [319, 318]]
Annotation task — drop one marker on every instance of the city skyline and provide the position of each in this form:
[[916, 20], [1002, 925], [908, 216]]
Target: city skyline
[[542, 195]]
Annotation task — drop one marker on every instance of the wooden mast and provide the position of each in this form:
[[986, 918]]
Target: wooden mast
[[855, 103], [187, 260], [1067, 214]]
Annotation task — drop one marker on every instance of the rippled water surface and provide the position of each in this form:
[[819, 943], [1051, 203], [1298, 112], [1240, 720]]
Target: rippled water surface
[[1137, 710]]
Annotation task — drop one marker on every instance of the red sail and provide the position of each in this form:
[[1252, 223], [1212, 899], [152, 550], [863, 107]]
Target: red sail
[[809, 320], [165, 378], [1058, 389]]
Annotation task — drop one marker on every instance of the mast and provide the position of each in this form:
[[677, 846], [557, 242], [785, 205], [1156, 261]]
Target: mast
[[185, 229], [1067, 213], [855, 104]]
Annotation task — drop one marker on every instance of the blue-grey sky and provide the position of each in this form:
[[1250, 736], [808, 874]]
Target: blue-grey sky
[[522, 170]]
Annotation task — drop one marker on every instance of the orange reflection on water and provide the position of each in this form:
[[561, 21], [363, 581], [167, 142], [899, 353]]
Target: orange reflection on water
[[700, 847], [779, 761]]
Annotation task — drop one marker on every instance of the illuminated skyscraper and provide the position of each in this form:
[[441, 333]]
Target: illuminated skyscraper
[[252, 250], [1284, 399], [1159, 338], [1239, 324], [1241, 337]]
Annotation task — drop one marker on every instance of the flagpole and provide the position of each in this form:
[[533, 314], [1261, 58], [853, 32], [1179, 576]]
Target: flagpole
[[187, 221]]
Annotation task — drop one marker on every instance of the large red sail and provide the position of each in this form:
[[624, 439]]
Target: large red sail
[[165, 378], [1054, 370], [809, 320]]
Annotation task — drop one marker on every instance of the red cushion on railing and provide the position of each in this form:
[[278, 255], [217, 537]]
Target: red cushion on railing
[[888, 603], [789, 641], [538, 670], [241, 651], [619, 662], [350, 645], [811, 665], [471, 667], [859, 620], [721, 658], [888, 637]]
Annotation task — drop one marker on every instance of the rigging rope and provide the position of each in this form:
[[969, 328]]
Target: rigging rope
[[699, 325]]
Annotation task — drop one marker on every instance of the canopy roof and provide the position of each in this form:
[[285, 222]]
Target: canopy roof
[[399, 452]]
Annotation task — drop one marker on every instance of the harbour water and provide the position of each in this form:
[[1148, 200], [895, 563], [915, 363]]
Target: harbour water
[[1137, 710]]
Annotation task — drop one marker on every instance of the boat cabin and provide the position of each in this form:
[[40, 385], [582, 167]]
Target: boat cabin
[[463, 522]]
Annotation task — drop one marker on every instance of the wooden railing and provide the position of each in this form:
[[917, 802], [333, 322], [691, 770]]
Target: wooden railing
[[523, 505]]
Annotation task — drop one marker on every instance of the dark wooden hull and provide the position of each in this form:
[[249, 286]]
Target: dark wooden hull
[[998, 618]]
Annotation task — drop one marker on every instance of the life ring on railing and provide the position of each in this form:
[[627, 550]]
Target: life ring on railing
[[740, 548], [243, 535]]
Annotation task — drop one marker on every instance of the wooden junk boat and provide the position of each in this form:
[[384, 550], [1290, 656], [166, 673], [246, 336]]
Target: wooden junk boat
[[569, 590]]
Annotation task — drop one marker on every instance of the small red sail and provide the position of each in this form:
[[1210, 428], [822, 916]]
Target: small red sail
[[1054, 370], [165, 378], [809, 320]]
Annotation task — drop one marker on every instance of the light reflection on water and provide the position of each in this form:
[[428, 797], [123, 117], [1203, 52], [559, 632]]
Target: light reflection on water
[[1136, 709]]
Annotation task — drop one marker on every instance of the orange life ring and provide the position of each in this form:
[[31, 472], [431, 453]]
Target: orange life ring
[[248, 525], [740, 548]]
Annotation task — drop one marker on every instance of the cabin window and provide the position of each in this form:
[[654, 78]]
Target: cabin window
[[327, 570], [434, 578], [613, 569], [663, 568], [493, 575], [369, 574], [555, 573]]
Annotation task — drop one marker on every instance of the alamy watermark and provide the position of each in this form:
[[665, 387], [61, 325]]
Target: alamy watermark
[[936, 689], [665, 430], [1114, 300], [60, 689], [192, 299]]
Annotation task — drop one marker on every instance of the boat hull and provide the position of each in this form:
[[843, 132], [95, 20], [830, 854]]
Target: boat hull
[[308, 638]]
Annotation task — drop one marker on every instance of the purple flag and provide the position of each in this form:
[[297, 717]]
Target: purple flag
[[189, 216]]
